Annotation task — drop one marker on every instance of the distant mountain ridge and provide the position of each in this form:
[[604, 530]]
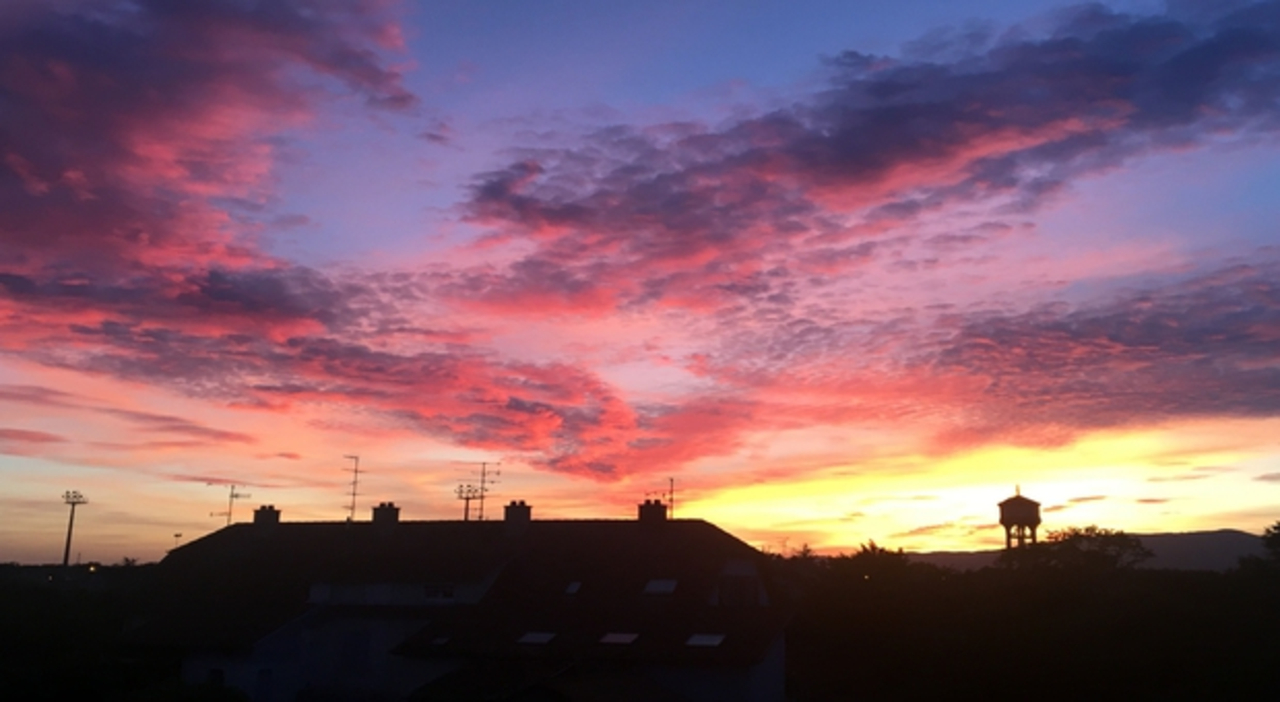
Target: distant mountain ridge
[[1196, 550]]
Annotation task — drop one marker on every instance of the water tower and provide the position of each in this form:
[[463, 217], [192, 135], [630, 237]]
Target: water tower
[[1019, 516]]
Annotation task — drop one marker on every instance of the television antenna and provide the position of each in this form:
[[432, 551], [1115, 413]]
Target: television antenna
[[487, 477], [467, 492], [355, 484], [670, 496], [73, 498], [232, 496]]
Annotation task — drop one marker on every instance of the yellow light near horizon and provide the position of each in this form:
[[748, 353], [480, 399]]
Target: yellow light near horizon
[[922, 502]]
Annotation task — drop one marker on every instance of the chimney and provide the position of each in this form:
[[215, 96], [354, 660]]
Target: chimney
[[386, 513], [652, 511], [517, 513], [266, 514]]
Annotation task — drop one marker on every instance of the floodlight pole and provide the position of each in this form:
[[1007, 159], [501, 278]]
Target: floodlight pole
[[73, 498]]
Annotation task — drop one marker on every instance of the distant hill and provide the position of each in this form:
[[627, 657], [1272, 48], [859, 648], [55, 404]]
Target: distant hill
[[1197, 550]]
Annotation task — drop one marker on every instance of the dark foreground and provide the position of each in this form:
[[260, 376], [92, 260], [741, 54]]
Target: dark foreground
[[871, 626]]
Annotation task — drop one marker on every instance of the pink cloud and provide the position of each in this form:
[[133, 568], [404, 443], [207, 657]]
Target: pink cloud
[[29, 437], [124, 189]]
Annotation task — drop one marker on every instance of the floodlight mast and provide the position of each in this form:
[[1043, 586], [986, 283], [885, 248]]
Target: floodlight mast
[[73, 498]]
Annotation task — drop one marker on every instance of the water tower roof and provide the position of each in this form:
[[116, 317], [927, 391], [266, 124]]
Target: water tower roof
[[1019, 500]]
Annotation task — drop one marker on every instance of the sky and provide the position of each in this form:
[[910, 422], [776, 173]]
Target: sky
[[840, 272]]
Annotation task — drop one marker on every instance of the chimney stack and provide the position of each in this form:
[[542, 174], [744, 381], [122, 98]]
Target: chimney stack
[[652, 511], [266, 514], [517, 513], [386, 513]]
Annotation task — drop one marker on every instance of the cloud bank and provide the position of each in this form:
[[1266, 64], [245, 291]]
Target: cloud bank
[[139, 141]]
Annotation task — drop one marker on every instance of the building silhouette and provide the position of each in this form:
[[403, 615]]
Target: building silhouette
[[1019, 516], [647, 608]]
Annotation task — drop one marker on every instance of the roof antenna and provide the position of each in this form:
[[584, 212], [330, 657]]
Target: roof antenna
[[355, 483], [486, 479], [669, 494], [232, 496], [1017, 490], [477, 492]]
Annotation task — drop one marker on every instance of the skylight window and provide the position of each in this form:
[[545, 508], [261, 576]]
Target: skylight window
[[660, 586], [618, 638], [705, 640], [536, 637]]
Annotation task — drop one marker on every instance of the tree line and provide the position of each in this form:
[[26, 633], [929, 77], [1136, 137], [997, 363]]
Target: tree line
[[1066, 619]]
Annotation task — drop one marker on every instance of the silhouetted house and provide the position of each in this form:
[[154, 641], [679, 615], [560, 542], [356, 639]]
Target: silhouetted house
[[520, 609], [1019, 516]]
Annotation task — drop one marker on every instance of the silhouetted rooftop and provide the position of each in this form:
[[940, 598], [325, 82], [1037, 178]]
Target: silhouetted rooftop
[[596, 588]]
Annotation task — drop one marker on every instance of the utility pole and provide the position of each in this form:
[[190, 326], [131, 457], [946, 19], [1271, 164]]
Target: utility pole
[[232, 496], [355, 483], [73, 498]]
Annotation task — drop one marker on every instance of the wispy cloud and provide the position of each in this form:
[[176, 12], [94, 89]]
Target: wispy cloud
[[28, 436], [695, 216], [130, 247]]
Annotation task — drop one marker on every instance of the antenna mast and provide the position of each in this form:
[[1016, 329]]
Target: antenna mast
[[355, 483], [484, 483], [671, 498], [232, 496]]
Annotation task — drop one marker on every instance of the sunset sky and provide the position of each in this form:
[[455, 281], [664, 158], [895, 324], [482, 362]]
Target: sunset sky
[[843, 270]]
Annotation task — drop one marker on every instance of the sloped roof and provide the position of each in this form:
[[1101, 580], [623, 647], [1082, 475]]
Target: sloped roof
[[1019, 500], [234, 586], [580, 582]]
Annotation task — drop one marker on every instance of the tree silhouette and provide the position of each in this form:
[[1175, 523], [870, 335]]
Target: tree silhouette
[[1090, 548], [1271, 540]]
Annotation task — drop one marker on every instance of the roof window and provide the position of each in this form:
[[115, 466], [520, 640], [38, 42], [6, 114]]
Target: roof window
[[536, 637], [618, 638], [660, 586], [705, 640]]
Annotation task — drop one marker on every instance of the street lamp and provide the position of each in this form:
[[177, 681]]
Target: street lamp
[[73, 498]]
